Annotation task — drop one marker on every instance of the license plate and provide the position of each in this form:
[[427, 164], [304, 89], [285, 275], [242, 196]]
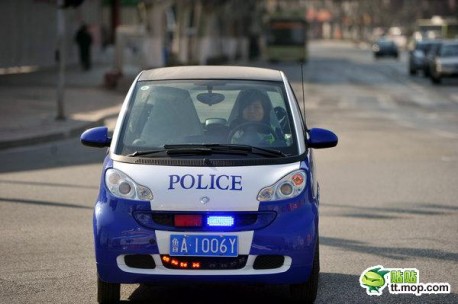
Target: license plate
[[204, 245]]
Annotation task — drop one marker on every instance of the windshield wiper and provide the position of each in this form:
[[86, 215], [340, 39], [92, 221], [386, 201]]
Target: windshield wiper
[[230, 148], [146, 152], [187, 150], [266, 152], [208, 149]]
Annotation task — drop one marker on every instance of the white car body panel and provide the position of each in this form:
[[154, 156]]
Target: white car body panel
[[252, 180]]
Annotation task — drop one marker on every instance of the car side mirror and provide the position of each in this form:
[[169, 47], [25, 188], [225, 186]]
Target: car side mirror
[[96, 137], [321, 138]]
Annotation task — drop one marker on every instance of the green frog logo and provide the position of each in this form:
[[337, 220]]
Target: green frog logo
[[373, 279]]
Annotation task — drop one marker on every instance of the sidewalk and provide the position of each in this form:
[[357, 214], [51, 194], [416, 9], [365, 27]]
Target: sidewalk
[[28, 104]]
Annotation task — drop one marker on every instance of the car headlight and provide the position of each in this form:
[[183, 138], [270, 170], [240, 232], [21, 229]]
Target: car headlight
[[439, 66], [289, 186], [122, 186]]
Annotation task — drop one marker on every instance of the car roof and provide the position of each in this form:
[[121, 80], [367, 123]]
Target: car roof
[[385, 41], [450, 42], [429, 41], [211, 72]]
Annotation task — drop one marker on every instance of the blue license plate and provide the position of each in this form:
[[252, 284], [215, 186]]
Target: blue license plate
[[204, 245]]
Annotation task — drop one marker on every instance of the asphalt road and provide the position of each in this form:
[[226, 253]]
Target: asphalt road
[[388, 193]]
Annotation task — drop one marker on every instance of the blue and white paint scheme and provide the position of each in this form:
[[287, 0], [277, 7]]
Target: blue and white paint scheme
[[191, 191]]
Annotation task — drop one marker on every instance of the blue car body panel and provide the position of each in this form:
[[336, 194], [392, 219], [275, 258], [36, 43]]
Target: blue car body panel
[[293, 233]]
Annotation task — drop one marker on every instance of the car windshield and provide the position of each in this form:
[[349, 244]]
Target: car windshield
[[196, 116], [425, 47], [387, 43]]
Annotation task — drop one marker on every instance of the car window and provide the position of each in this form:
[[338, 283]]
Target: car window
[[450, 50], [386, 42], [433, 49], [206, 112], [423, 47]]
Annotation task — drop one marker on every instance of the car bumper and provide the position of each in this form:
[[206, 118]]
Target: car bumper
[[448, 71], [386, 54], [290, 239]]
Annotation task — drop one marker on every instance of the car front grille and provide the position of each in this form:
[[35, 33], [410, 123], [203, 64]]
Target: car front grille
[[242, 221], [268, 262], [142, 261]]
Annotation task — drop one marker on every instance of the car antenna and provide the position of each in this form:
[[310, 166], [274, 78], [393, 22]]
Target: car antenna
[[303, 95]]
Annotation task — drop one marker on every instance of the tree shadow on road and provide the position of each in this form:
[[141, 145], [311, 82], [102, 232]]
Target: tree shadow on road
[[397, 253]]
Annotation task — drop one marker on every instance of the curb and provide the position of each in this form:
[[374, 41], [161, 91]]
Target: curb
[[45, 138], [98, 119]]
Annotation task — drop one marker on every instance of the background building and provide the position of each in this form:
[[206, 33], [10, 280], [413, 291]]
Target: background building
[[152, 33], [28, 31]]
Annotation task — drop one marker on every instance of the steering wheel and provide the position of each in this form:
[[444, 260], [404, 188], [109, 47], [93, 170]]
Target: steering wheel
[[250, 132], [281, 116]]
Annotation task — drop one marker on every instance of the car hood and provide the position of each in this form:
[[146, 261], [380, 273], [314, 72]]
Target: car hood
[[178, 188]]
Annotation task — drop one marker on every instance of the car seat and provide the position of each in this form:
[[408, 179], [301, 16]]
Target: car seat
[[173, 118]]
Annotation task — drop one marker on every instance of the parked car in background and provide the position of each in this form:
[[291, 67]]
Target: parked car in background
[[445, 61], [417, 55], [429, 58], [385, 47]]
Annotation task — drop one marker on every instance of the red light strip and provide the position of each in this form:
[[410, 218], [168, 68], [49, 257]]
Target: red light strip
[[187, 220], [175, 262]]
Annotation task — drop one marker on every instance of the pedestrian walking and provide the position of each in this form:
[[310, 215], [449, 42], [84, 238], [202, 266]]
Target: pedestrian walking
[[84, 40]]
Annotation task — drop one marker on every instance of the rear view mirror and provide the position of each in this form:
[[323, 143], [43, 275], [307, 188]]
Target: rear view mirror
[[210, 98], [96, 137], [321, 138]]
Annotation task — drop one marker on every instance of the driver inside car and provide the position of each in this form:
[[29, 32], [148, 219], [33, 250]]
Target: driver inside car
[[252, 122]]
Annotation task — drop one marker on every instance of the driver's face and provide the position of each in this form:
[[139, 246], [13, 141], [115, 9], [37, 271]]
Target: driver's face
[[253, 112]]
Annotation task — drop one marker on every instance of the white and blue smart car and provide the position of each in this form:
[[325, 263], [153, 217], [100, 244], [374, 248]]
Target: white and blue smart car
[[209, 177]]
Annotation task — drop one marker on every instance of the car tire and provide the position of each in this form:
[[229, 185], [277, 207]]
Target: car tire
[[108, 292], [306, 292], [436, 79], [426, 73]]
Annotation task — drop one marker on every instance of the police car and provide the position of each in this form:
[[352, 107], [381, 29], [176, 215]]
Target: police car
[[209, 177]]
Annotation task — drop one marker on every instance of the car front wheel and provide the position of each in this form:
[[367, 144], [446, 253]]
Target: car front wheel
[[426, 72], [435, 77], [306, 292], [108, 292]]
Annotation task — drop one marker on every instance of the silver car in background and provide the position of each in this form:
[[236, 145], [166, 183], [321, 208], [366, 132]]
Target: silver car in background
[[445, 61]]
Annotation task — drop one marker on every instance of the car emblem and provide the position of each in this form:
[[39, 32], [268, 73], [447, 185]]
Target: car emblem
[[204, 200]]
